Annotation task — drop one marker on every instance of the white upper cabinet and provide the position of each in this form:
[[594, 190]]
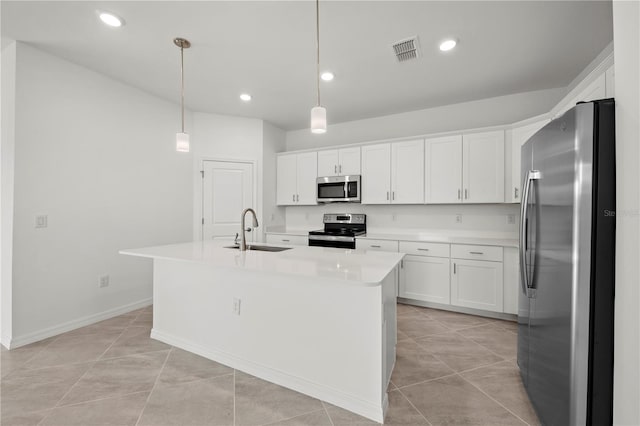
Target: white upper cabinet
[[339, 162], [286, 179], [307, 173], [519, 135], [296, 179], [443, 170], [393, 173], [465, 169], [483, 167], [376, 174], [407, 172], [349, 163]]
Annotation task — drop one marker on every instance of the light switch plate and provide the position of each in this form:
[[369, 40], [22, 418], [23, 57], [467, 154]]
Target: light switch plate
[[41, 221]]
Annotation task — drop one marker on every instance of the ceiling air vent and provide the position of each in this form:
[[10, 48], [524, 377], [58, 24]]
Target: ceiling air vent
[[406, 49]]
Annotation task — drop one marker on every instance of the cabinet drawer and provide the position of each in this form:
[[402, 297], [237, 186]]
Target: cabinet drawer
[[290, 240], [378, 245], [424, 249], [464, 251]]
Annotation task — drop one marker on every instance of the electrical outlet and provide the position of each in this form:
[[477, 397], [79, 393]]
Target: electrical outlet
[[394, 217], [236, 306], [458, 218], [41, 221], [511, 219], [104, 281]]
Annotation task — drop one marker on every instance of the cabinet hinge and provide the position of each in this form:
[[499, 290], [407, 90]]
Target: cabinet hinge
[[202, 174], [203, 220]]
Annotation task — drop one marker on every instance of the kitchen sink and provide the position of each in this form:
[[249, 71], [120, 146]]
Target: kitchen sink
[[261, 248]]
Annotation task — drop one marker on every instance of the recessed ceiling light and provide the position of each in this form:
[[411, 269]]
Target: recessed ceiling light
[[327, 76], [111, 19], [245, 97], [448, 45]]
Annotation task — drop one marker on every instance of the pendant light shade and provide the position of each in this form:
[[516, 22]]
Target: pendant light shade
[[318, 113], [318, 120], [182, 142], [182, 138]]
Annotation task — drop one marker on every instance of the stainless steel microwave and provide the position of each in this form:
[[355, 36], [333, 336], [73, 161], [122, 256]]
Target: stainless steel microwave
[[336, 189]]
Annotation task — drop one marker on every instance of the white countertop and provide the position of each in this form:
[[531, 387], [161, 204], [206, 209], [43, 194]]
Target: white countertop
[[443, 238], [422, 235], [367, 268]]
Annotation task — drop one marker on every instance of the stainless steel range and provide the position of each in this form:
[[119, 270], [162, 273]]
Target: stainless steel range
[[340, 230]]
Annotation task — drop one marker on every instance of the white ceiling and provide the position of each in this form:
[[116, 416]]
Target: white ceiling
[[267, 48]]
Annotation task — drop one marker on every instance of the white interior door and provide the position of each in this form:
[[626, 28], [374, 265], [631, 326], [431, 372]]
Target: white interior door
[[227, 191]]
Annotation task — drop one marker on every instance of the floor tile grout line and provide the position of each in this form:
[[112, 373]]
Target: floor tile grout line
[[482, 366], [484, 346], [155, 382], [49, 410], [324, 406], [293, 417], [234, 397], [493, 399], [414, 407], [93, 363], [427, 381]]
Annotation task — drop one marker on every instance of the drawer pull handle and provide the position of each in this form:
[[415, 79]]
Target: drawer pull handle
[[423, 249], [476, 252], [374, 246], [285, 241]]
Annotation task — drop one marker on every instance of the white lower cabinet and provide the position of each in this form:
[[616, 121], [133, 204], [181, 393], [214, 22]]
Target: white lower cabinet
[[289, 240], [425, 278], [477, 284], [511, 280]]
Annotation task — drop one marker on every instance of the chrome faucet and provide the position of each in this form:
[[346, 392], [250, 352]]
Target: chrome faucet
[[243, 241]]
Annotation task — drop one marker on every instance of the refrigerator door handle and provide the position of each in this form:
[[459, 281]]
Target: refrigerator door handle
[[524, 277]]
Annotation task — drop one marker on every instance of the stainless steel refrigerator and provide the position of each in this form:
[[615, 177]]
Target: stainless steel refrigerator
[[567, 236]]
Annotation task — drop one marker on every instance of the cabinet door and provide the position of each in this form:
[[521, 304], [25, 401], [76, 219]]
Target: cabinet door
[[477, 284], [443, 170], [328, 163], [425, 278], [483, 167], [519, 136], [349, 163], [286, 179], [307, 172], [407, 172], [376, 174], [511, 280], [289, 240]]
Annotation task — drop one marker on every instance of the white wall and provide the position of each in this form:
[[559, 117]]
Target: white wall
[[224, 137], [490, 219], [468, 115], [7, 125], [626, 36], [98, 157]]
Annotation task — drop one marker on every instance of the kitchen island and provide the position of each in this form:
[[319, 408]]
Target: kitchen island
[[321, 321]]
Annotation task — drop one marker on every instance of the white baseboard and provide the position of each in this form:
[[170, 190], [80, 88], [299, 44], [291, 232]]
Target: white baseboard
[[16, 342], [333, 396]]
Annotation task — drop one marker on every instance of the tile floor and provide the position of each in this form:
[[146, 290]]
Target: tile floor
[[451, 369]]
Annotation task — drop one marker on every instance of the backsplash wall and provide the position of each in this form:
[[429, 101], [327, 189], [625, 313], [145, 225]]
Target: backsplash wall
[[477, 218]]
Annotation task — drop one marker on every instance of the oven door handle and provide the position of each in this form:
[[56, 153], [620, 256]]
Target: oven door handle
[[331, 238]]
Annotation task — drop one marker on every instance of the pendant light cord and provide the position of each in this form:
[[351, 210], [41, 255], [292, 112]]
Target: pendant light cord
[[182, 83], [318, 47]]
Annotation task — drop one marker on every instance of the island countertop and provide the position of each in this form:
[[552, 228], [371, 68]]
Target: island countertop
[[354, 267]]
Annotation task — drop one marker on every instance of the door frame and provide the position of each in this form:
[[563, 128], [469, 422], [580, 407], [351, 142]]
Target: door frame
[[199, 201]]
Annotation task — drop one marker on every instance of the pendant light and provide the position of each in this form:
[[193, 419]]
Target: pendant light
[[318, 113], [182, 138]]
